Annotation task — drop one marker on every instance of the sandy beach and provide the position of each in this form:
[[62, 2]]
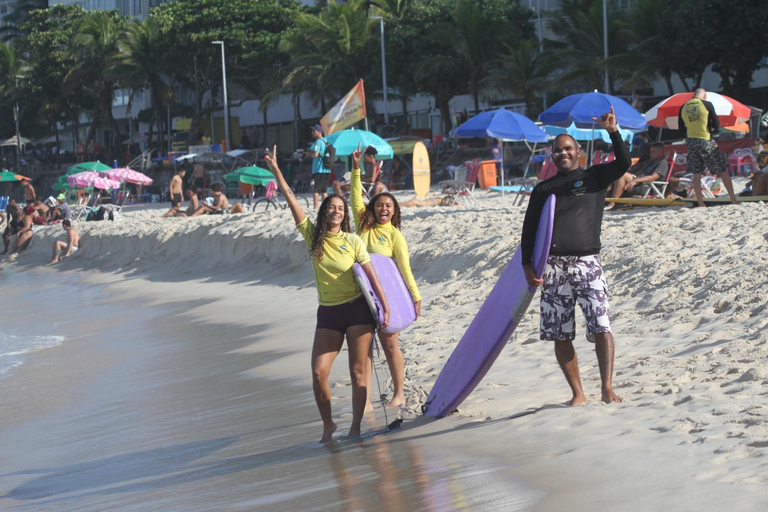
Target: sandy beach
[[183, 381]]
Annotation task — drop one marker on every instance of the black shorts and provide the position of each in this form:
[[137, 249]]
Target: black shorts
[[342, 317], [175, 200], [321, 183]]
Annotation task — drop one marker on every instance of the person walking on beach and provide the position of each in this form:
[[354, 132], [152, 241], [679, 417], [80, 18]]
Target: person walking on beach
[[176, 187], [573, 273], [29, 191], [378, 224], [319, 171], [343, 311], [700, 121], [67, 248], [80, 151]]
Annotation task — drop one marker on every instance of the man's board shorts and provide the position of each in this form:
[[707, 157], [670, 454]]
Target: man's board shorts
[[569, 280], [175, 200], [321, 182], [703, 155], [342, 317]]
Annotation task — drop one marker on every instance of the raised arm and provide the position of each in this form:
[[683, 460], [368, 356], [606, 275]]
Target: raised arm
[[271, 159], [356, 188]]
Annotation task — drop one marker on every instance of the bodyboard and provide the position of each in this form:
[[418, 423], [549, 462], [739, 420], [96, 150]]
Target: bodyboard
[[402, 312], [648, 201], [421, 170], [491, 328], [710, 201]]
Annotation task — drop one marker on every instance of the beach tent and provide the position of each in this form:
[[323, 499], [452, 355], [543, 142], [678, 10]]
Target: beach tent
[[504, 125]]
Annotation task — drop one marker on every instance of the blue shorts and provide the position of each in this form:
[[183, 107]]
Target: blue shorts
[[342, 317]]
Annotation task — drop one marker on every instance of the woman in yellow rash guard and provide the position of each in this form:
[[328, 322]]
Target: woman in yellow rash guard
[[343, 310], [378, 224]]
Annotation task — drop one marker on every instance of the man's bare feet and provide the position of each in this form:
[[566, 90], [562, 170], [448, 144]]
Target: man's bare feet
[[610, 397], [368, 408], [576, 401], [328, 431], [396, 401]]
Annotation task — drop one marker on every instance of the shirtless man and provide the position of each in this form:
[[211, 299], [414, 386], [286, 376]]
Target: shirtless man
[[71, 245], [14, 223], [220, 203], [198, 176], [194, 204], [29, 191], [80, 151], [369, 157], [26, 230], [176, 190], [41, 208]]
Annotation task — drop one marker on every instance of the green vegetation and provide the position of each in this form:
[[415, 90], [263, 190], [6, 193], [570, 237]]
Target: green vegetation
[[72, 62]]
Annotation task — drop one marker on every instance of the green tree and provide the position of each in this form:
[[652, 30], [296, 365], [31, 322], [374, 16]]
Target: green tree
[[477, 32], [142, 63], [13, 21], [250, 30], [97, 44]]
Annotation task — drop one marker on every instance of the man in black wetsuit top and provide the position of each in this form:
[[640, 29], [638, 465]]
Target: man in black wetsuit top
[[573, 273]]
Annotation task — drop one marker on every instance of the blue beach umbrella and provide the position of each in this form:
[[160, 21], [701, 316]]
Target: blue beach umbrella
[[504, 125], [347, 141], [579, 109]]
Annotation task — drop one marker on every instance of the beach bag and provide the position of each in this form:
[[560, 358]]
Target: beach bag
[[329, 156]]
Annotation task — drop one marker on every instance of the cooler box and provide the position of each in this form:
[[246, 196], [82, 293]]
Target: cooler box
[[487, 174]]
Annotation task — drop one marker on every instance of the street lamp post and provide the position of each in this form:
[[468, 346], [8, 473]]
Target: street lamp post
[[605, 44], [226, 100], [383, 68], [18, 135]]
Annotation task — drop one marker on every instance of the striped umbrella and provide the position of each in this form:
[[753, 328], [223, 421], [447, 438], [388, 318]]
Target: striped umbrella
[[128, 175], [91, 179], [7, 176], [665, 114]]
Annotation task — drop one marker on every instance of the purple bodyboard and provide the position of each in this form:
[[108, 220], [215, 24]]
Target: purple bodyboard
[[402, 312], [491, 328]]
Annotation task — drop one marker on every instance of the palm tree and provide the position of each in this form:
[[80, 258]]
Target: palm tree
[[579, 26], [141, 65], [476, 36], [328, 52], [11, 65], [524, 71], [98, 44]]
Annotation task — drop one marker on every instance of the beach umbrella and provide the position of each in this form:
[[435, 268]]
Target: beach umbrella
[[88, 166], [665, 113], [127, 175], [588, 134], [579, 109], [504, 125], [8, 176], [91, 179], [251, 175], [12, 141], [347, 141]]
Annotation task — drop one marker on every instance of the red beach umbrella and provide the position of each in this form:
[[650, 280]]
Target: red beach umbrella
[[729, 111]]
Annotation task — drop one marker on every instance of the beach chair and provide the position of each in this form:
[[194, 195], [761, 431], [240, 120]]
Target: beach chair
[[117, 205], [4, 203], [80, 211], [659, 188], [466, 187]]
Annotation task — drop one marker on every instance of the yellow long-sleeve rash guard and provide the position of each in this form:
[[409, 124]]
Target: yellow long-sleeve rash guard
[[384, 239]]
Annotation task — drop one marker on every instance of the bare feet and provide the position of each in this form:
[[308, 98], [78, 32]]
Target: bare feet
[[53, 262], [328, 431], [397, 401], [576, 401], [610, 397], [368, 408], [354, 433]]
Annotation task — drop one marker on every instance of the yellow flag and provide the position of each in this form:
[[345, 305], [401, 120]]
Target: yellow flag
[[349, 110]]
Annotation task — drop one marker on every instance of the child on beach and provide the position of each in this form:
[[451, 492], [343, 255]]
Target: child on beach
[[378, 224], [343, 311]]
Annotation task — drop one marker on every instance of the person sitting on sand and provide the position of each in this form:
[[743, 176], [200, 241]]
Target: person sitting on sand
[[42, 210], [15, 216], [25, 232], [70, 246], [448, 200], [219, 204], [573, 273], [378, 224], [343, 311], [61, 210]]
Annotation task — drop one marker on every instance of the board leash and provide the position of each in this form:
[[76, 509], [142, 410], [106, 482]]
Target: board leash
[[378, 382]]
